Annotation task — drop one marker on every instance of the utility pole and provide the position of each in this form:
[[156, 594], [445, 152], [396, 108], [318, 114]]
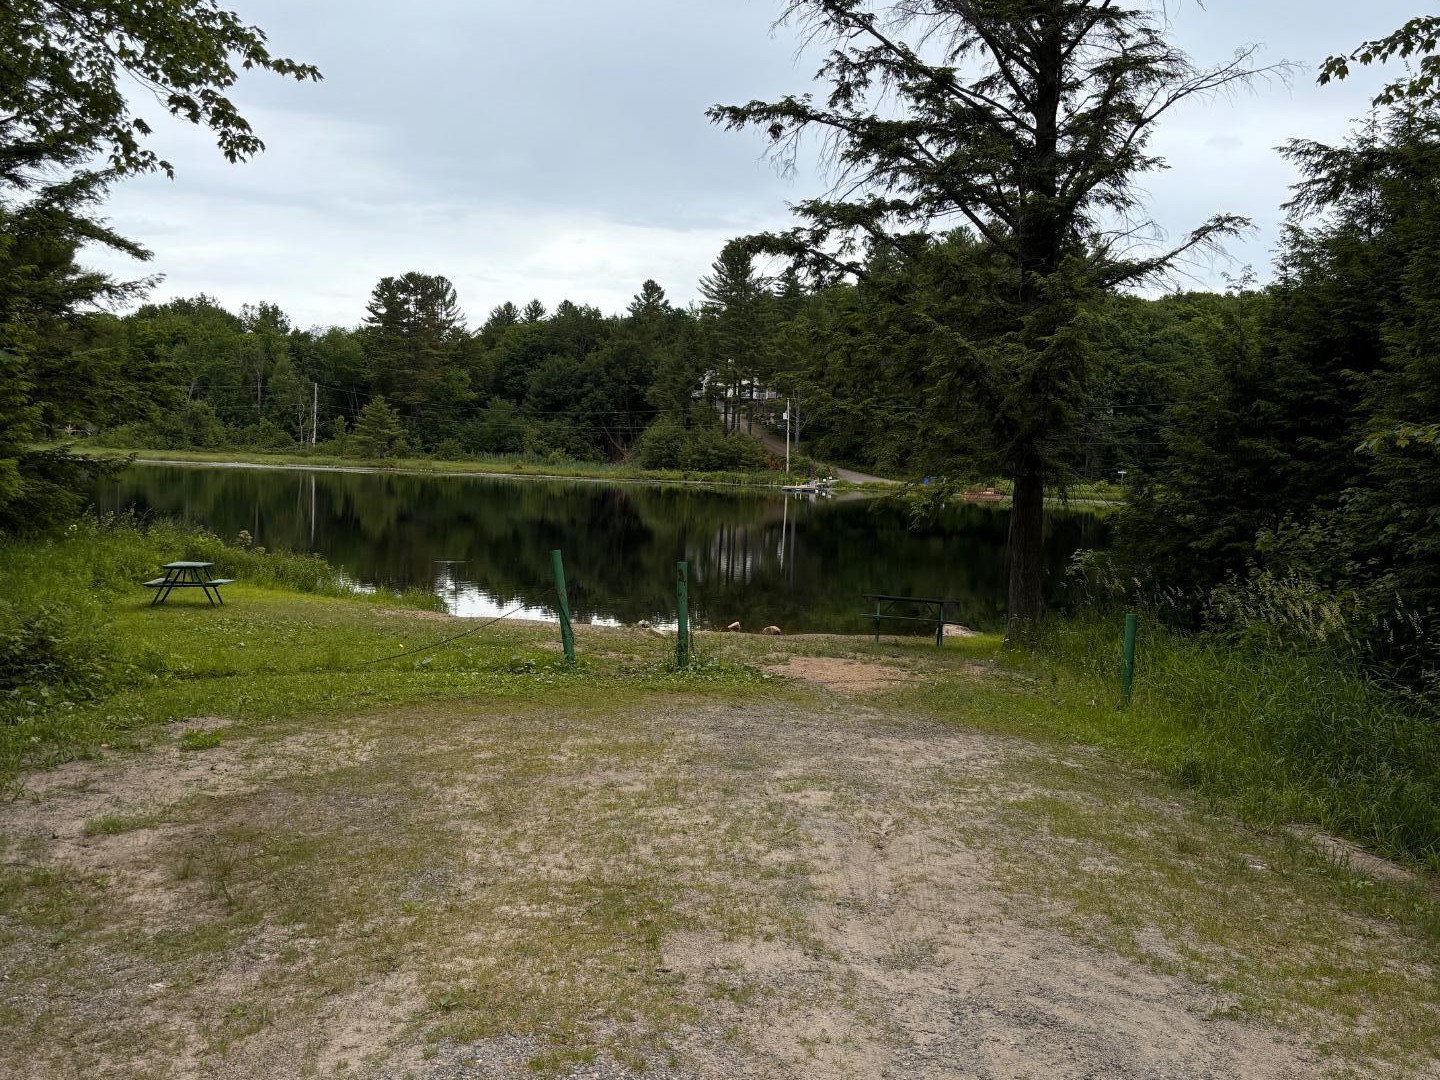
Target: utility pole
[[314, 411], [787, 436]]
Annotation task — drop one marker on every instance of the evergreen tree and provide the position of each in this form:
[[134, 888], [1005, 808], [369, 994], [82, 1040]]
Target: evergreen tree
[[650, 303], [1030, 123], [43, 294], [737, 301], [502, 318], [378, 431], [414, 337], [1302, 450]]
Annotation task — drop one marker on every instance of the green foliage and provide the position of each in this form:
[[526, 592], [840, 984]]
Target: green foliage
[[51, 489], [1304, 451], [1415, 42], [666, 444], [1277, 732], [413, 340], [1031, 126], [71, 69], [378, 433], [67, 129], [48, 647], [739, 336], [200, 740]]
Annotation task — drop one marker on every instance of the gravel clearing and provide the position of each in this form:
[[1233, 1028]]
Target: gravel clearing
[[901, 953]]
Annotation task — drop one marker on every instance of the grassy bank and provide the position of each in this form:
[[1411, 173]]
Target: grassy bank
[[1276, 737], [1273, 736], [512, 465], [280, 858], [66, 647], [84, 659]]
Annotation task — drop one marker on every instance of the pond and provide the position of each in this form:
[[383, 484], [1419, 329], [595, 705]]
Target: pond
[[483, 543]]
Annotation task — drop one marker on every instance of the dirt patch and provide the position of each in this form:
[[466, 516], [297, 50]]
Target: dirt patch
[[844, 676], [362, 891], [1353, 857], [909, 963]]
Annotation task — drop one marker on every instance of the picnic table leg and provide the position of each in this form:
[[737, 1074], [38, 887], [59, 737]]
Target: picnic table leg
[[877, 622], [940, 629]]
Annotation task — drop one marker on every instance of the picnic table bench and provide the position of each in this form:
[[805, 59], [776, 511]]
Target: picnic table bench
[[934, 612], [188, 575]]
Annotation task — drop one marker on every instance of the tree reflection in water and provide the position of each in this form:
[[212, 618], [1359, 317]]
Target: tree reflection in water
[[484, 543]]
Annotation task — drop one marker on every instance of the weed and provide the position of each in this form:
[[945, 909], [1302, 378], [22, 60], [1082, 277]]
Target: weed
[[201, 740], [118, 824]]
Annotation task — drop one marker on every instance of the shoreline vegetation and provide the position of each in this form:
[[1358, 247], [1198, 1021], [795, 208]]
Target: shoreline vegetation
[[511, 467], [1087, 494]]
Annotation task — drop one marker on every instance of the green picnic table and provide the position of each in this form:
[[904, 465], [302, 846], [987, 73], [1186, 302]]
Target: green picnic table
[[934, 612], [188, 575]]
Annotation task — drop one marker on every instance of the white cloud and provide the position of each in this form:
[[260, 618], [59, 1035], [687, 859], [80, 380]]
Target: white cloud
[[558, 149]]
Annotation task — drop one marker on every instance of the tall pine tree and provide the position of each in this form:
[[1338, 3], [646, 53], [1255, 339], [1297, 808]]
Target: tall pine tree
[[1028, 122]]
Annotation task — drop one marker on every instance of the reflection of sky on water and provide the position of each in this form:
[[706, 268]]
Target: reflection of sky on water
[[469, 601], [483, 545]]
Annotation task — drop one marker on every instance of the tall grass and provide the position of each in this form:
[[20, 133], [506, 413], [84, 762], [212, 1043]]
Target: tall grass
[[1279, 733]]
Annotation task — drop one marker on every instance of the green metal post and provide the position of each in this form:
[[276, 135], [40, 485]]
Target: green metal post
[[1127, 670], [682, 600], [567, 633]]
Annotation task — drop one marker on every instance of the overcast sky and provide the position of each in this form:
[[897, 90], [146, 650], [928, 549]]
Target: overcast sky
[[558, 148]]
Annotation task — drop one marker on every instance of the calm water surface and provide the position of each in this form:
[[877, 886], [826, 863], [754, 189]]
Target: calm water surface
[[484, 543]]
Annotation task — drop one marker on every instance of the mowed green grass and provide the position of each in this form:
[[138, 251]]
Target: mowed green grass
[[271, 654]]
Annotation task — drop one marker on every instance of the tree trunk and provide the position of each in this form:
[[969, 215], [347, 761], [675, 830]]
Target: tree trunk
[[1027, 558]]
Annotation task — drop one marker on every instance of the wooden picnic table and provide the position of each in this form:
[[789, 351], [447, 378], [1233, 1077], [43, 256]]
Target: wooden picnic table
[[188, 575], [934, 612]]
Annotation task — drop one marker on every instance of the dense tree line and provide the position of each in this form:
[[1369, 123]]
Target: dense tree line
[[668, 387], [1300, 464], [659, 385]]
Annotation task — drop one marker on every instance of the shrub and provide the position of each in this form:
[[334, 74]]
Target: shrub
[[59, 644], [266, 435], [667, 445], [498, 429]]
